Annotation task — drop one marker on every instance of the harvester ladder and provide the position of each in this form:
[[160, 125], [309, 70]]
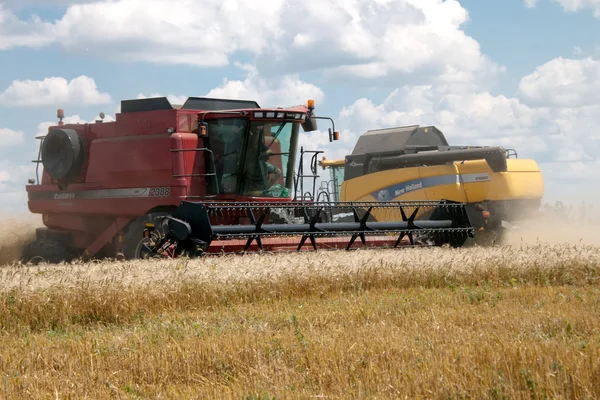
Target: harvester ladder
[[328, 190], [39, 159], [212, 174], [301, 175]]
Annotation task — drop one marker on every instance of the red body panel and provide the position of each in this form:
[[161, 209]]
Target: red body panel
[[132, 166]]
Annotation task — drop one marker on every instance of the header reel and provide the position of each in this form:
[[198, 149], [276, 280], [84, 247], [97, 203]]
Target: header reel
[[293, 227]]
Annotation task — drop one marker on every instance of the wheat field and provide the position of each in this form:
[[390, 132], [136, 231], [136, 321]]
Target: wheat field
[[521, 320]]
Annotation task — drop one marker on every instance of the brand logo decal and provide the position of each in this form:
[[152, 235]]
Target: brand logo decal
[[408, 188], [64, 196]]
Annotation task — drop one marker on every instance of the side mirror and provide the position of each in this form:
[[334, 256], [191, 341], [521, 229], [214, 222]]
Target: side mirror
[[310, 124], [202, 129], [333, 135]]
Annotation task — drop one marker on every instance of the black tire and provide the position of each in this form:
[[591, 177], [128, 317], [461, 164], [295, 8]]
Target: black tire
[[453, 239], [133, 238], [46, 250]]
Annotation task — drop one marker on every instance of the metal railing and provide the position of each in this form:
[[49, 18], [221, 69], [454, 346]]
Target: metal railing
[[300, 176], [39, 160], [212, 174], [510, 152]]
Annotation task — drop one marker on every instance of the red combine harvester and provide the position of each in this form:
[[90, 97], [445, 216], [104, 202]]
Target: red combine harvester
[[211, 176]]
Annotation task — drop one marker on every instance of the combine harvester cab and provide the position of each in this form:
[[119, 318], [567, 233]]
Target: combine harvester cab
[[413, 162], [207, 177]]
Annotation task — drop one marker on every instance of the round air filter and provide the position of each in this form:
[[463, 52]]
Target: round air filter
[[62, 154]]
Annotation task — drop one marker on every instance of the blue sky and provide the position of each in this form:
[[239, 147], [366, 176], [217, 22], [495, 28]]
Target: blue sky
[[506, 73]]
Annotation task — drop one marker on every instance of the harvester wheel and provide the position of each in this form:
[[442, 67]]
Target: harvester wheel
[[133, 240], [46, 250], [453, 239]]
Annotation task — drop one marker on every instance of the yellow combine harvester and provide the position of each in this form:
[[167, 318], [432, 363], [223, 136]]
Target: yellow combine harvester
[[417, 163]]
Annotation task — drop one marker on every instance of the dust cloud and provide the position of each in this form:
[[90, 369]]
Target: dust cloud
[[15, 233], [557, 224]]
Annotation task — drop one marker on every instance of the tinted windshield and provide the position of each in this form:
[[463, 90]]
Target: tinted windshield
[[226, 140], [269, 155], [253, 158]]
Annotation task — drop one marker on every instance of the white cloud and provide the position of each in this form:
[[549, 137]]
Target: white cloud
[[53, 91], [571, 182], [577, 5], [530, 3], [562, 82], [15, 32], [167, 32], [362, 38], [15, 174], [559, 134], [284, 91], [563, 172], [13, 178], [571, 5], [420, 39], [9, 137], [464, 117]]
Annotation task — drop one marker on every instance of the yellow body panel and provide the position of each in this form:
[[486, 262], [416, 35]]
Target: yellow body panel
[[468, 182], [331, 163], [522, 180]]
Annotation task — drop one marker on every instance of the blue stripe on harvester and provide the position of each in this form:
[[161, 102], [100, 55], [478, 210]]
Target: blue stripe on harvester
[[391, 192]]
